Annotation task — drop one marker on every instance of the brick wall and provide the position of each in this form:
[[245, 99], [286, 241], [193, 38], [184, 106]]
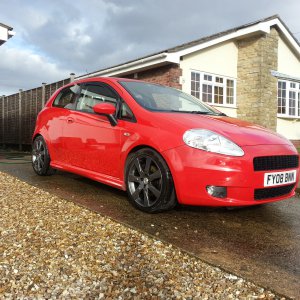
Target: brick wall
[[256, 87], [18, 112], [167, 75], [296, 143]]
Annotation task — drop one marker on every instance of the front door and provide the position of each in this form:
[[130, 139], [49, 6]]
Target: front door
[[93, 143]]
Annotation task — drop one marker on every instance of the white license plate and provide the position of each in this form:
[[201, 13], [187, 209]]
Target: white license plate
[[279, 178]]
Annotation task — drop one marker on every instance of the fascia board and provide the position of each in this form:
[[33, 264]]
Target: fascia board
[[288, 36], [258, 28]]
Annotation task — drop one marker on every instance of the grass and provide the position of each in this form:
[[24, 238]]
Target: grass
[[298, 149]]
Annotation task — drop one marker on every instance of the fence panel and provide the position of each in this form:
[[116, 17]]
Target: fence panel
[[18, 112]]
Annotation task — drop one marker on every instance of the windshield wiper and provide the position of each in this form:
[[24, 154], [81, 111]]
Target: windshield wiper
[[194, 112], [205, 113]]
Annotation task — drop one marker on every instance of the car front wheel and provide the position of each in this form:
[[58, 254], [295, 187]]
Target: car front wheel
[[149, 182]]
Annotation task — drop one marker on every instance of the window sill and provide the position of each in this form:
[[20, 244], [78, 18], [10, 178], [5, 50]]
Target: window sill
[[290, 118]]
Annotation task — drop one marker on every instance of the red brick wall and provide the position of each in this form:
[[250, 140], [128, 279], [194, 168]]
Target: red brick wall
[[296, 143], [167, 75]]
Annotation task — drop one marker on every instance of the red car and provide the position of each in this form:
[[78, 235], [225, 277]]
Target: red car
[[161, 145]]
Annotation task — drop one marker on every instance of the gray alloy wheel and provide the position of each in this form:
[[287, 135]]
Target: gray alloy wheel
[[149, 182], [40, 157]]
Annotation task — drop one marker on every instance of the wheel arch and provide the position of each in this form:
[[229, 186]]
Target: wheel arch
[[135, 149], [142, 146], [35, 136]]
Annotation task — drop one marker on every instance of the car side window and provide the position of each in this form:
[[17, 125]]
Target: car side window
[[65, 99], [92, 94]]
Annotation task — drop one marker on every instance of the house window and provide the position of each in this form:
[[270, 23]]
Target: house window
[[213, 89], [288, 98], [195, 84]]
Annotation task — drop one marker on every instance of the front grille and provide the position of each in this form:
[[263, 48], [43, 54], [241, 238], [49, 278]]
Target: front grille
[[264, 163], [266, 193]]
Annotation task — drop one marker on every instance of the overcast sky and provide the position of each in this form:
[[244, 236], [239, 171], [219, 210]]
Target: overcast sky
[[57, 37]]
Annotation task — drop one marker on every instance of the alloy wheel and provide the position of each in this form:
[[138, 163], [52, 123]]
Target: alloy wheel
[[145, 181]]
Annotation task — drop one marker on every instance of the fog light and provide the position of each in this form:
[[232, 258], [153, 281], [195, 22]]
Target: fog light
[[217, 191]]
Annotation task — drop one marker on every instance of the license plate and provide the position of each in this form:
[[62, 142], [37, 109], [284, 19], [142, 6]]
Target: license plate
[[279, 178]]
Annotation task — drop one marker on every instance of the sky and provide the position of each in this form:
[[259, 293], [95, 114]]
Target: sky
[[55, 38]]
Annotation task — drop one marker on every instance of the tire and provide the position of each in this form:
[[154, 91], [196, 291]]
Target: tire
[[40, 157], [149, 182]]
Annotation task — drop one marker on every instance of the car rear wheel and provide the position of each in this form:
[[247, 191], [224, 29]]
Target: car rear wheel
[[149, 182], [41, 157]]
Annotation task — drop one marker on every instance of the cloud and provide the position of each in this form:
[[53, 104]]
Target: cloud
[[23, 69], [62, 36]]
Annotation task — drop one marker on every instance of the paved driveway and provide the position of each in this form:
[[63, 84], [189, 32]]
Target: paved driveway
[[259, 243]]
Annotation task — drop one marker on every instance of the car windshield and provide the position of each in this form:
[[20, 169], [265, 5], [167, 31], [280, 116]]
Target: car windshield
[[156, 97]]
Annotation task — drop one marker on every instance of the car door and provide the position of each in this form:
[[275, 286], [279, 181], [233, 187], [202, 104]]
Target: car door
[[93, 144], [57, 117]]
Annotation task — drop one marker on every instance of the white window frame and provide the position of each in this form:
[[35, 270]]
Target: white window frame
[[289, 89], [213, 83]]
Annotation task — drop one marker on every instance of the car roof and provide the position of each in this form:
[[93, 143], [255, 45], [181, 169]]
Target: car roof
[[105, 79]]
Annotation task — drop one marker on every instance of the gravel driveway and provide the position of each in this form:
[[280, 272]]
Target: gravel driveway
[[53, 249]]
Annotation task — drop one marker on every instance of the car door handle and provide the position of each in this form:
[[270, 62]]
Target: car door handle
[[70, 120]]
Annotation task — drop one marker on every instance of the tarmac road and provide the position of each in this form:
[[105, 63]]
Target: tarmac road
[[259, 243]]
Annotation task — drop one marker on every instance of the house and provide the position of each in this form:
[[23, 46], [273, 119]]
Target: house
[[250, 72], [5, 33]]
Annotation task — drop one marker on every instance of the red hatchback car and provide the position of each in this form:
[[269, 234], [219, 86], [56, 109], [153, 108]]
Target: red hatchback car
[[161, 145]]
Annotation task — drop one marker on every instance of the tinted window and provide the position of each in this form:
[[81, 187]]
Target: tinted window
[[66, 98], [126, 113], [93, 94]]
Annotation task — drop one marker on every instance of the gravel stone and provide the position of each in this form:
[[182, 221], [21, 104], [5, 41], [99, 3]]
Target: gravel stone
[[51, 248]]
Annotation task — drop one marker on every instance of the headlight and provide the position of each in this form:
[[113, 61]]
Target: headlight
[[210, 141]]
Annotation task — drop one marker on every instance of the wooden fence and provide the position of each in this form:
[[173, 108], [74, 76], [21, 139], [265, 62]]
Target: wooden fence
[[18, 112]]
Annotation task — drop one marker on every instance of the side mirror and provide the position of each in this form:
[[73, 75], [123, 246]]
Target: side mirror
[[106, 109]]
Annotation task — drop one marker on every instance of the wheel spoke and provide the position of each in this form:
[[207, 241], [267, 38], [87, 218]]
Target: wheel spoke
[[133, 178], [35, 164], [42, 161], [39, 145], [136, 193], [138, 167], [146, 197], [155, 175], [148, 163], [154, 191], [39, 164]]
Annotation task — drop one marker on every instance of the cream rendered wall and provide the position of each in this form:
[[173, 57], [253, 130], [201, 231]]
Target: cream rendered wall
[[220, 59], [289, 128], [288, 64]]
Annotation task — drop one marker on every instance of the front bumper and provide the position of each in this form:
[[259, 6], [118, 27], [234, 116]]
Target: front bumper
[[193, 170]]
